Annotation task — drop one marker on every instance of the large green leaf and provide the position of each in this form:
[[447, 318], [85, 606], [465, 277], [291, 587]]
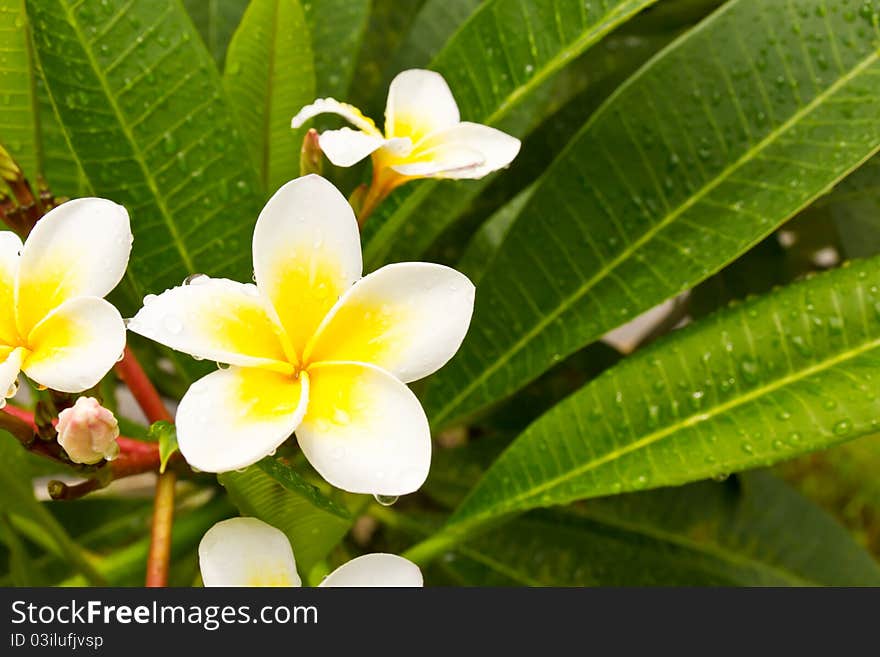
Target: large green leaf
[[432, 26], [730, 131], [748, 531], [496, 60], [139, 100], [337, 28], [760, 382], [855, 209], [269, 76], [313, 530], [216, 21], [19, 129]]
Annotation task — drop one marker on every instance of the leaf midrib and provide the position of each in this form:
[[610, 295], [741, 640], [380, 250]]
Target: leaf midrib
[[136, 151], [511, 503], [550, 317]]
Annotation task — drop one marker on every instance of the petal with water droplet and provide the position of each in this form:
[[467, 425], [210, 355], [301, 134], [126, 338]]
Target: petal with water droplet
[[75, 345], [381, 445], [408, 318], [303, 281], [217, 319], [232, 418], [10, 246], [246, 552], [80, 248], [9, 369]]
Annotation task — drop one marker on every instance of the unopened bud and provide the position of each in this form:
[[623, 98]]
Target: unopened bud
[[310, 157], [87, 431]]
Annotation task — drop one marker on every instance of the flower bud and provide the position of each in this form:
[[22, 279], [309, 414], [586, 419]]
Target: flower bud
[[87, 431], [311, 157]]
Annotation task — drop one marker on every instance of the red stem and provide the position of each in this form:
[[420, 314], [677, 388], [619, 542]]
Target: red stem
[[135, 456], [146, 395]]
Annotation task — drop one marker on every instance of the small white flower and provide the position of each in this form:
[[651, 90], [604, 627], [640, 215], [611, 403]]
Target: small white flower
[[248, 552], [314, 348], [54, 323], [424, 136], [87, 431]]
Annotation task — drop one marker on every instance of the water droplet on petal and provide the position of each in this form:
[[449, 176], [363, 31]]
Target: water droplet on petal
[[195, 279], [385, 500]]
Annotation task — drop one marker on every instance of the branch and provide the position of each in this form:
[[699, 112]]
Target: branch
[[147, 397]]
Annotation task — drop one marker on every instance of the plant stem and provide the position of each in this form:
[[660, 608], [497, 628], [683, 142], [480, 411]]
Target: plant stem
[[384, 182], [159, 557], [146, 395]]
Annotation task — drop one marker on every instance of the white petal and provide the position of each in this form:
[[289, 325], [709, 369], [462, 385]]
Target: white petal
[[445, 154], [246, 552], [365, 431], [78, 249], [408, 318], [307, 252], [330, 106], [375, 570], [419, 103], [232, 418], [215, 319], [75, 345], [346, 147], [9, 368], [10, 246], [442, 162]]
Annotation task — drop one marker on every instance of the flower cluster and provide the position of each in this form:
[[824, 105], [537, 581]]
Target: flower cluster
[[312, 347]]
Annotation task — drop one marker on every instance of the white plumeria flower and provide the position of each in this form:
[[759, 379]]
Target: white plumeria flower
[[54, 323], [248, 552], [424, 136], [314, 348]]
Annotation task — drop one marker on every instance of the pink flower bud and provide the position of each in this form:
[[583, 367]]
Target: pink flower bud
[[87, 431]]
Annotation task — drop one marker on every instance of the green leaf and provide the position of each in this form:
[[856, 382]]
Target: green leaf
[[216, 20], [433, 25], [294, 482], [752, 385], [855, 210], [518, 47], [139, 100], [164, 433], [19, 129], [269, 76], [730, 131], [751, 531], [312, 530], [337, 29], [18, 499], [21, 571]]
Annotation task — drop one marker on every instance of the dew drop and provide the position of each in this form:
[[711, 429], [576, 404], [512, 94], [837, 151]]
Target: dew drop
[[385, 500], [842, 428], [12, 390], [195, 279], [150, 298]]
